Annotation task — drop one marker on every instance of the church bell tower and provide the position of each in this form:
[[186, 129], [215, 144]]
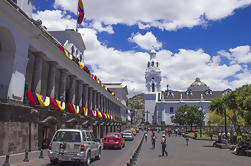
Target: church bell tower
[[153, 74]]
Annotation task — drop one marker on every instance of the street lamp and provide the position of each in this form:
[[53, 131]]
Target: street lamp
[[200, 109], [225, 118], [185, 113]]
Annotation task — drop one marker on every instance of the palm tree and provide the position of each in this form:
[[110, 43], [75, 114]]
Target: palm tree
[[219, 105]]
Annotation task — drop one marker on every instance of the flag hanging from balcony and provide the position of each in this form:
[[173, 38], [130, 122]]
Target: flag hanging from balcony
[[80, 11]]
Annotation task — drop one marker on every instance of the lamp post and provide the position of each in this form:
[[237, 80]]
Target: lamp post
[[225, 118], [185, 113], [200, 109]]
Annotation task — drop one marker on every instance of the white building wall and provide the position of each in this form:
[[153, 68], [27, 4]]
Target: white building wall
[[150, 103], [163, 110], [26, 6], [18, 67]]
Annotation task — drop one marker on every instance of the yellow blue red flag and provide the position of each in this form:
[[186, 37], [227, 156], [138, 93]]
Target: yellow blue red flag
[[81, 12]]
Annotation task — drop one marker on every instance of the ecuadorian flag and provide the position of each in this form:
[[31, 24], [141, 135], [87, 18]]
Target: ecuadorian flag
[[80, 11]]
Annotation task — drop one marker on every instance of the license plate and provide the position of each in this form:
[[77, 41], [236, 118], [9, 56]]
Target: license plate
[[110, 140]]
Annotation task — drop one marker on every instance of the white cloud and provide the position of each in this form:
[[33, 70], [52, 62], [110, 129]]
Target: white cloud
[[163, 14], [143, 26], [183, 67], [111, 65], [241, 54], [101, 28], [180, 68], [55, 19], [145, 41]]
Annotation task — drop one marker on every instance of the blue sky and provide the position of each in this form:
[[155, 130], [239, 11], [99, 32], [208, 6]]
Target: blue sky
[[192, 39]]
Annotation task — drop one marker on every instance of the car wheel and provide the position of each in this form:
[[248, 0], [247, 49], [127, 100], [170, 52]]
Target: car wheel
[[88, 160], [55, 161], [99, 154]]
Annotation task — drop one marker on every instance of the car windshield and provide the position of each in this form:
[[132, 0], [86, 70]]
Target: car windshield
[[127, 131], [67, 136], [112, 135]]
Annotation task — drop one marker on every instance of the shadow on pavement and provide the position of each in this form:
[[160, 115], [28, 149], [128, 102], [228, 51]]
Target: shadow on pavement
[[207, 146]]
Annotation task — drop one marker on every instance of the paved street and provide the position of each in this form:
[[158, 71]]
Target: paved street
[[110, 157], [198, 153]]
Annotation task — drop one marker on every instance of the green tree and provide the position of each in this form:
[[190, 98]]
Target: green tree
[[189, 115], [237, 106]]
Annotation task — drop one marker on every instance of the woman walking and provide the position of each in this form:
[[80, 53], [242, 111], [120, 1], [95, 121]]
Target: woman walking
[[163, 143], [145, 136], [153, 140]]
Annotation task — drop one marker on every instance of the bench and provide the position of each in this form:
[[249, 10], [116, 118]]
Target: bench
[[221, 145], [248, 152], [231, 147]]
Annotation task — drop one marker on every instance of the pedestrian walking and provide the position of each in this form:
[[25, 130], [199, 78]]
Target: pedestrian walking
[[187, 141], [146, 136], [163, 145], [153, 140]]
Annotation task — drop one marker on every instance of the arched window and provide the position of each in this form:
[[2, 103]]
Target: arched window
[[152, 64], [157, 64], [148, 65], [153, 87]]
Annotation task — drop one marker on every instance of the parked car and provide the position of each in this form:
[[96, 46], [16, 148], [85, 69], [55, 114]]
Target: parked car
[[115, 140], [127, 135], [133, 131], [74, 145], [136, 128]]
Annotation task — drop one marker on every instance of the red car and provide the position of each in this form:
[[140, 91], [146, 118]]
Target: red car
[[114, 140]]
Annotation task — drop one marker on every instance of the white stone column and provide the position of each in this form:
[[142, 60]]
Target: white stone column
[[72, 93], [37, 73], [79, 93], [85, 96], [51, 80], [62, 85], [102, 102], [16, 72], [106, 105], [98, 101], [94, 99], [90, 98]]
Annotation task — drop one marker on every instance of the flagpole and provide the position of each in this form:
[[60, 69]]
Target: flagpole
[[77, 19]]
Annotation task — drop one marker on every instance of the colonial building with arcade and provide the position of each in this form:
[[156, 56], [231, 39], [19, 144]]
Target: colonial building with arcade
[[45, 84], [160, 106]]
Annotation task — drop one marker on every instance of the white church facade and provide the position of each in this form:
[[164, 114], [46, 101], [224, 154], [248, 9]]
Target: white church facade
[[160, 106]]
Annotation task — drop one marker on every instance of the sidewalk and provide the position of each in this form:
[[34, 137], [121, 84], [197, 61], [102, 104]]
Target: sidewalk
[[149, 156], [198, 153], [17, 159]]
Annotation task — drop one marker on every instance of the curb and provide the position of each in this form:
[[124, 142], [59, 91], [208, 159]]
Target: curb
[[134, 154]]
